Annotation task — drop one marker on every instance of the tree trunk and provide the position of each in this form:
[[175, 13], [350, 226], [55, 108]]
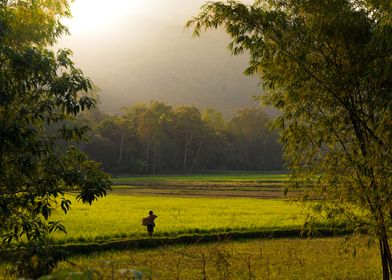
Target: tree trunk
[[121, 149], [385, 273], [154, 159], [385, 252], [188, 140], [147, 155], [198, 152], [206, 162], [386, 262]]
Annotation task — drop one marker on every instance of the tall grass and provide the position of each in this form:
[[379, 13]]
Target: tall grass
[[329, 258]]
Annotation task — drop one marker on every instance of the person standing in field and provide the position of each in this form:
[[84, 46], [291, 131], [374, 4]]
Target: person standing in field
[[151, 223]]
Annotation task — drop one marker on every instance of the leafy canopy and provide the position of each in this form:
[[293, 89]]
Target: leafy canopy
[[327, 65], [40, 93]]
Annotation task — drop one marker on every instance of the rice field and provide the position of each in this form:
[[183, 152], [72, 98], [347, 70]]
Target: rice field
[[324, 258], [119, 216], [206, 178], [212, 203], [225, 184]]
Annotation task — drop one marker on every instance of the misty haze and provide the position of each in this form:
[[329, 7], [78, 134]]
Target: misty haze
[[147, 54]]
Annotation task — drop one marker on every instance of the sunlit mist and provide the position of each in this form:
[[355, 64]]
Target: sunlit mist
[[139, 50], [94, 15]]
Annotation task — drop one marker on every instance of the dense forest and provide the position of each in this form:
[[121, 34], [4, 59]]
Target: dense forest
[[158, 138]]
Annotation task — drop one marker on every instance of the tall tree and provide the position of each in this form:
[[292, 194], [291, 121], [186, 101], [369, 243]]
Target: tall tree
[[189, 128], [150, 124], [256, 147], [114, 135], [216, 147], [327, 65], [39, 90]]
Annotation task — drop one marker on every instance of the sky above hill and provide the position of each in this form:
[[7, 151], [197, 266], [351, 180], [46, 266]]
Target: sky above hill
[[138, 50]]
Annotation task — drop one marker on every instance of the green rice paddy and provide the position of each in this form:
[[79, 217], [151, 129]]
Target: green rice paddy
[[119, 216], [207, 203], [208, 178]]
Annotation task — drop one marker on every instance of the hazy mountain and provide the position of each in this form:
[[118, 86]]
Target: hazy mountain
[[156, 59]]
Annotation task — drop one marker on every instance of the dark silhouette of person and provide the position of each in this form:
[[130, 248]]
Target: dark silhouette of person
[[151, 224]]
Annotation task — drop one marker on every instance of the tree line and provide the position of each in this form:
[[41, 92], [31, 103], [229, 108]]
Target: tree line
[[158, 138]]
